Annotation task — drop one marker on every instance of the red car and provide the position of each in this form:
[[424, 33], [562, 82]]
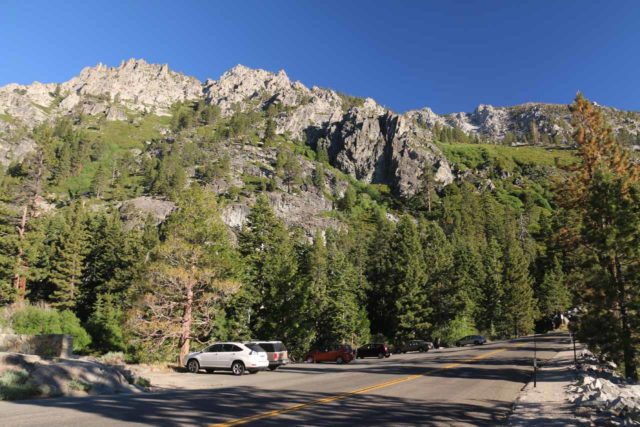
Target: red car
[[342, 353]]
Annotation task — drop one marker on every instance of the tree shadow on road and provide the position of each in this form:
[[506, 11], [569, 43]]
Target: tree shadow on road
[[203, 407]]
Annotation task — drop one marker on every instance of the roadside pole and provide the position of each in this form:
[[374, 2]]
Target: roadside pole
[[575, 357], [535, 360]]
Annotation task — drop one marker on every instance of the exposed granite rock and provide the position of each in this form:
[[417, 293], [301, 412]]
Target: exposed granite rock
[[136, 84], [386, 149], [136, 211]]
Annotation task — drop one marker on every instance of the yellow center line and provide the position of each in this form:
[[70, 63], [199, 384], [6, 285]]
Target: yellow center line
[[329, 399]]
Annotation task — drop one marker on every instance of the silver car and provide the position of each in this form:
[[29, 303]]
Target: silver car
[[228, 356], [276, 353], [471, 339]]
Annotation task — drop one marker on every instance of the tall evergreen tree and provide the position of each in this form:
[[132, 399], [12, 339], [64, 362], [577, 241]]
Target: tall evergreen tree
[[382, 294], [519, 305], [553, 296], [409, 277], [193, 271], [343, 320], [272, 272], [490, 307], [600, 202], [68, 263]]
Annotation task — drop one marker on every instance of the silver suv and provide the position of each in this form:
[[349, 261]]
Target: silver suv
[[276, 353], [228, 356], [471, 339]]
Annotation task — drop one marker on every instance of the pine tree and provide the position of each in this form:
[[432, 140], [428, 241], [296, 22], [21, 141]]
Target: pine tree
[[492, 290], [288, 169], [554, 298], [429, 186], [272, 273], [411, 306], [67, 265], [518, 308], [115, 260], [193, 271], [105, 324], [8, 252], [382, 293], [319, 178], [317, 279], [349, 198], [600, 202], [343, 320], [269, 131], [322, 155], [100, 182]]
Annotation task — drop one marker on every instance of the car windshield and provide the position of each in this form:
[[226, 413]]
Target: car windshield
[[255, 347]]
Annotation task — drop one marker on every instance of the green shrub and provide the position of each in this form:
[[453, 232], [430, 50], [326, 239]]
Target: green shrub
[[454, 330], [34, 320], [15, 385], [143, 382], [112, 358]]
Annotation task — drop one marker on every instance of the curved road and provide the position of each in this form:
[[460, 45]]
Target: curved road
[[457, 386]]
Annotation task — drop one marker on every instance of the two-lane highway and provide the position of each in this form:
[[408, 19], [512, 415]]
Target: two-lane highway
[[457, 386]]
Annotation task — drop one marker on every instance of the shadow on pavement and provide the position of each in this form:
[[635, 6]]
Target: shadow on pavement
[[204, 407]]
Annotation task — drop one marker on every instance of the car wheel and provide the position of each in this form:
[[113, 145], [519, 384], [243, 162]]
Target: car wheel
[[209, 371], [310, 359], [193, 366], [380, 355], [237, 368], [273, 368], [339, 360]]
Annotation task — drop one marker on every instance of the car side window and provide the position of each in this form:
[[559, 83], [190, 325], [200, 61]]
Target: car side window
[[216, 348], [231, 348]]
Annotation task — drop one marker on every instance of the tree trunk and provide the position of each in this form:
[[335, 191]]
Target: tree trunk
[[19, 281], [630, 366], [185, 333]]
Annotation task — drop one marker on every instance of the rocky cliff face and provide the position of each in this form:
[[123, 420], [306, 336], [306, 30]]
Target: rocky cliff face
[[384, 149]]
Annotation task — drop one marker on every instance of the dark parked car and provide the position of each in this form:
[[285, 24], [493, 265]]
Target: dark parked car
[[415, 345], [471, 339], [342, 353], [373, 350], [276, 353]]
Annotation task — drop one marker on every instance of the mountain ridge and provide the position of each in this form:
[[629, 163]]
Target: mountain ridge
[[153, 88], [362, 138]]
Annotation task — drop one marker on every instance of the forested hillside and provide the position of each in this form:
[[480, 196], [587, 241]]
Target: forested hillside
[[254, 207]]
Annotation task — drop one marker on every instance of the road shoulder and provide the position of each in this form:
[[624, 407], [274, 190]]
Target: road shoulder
[[548, 404]]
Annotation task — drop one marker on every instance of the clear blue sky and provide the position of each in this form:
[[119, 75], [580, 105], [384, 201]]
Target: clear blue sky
[[449, 55]]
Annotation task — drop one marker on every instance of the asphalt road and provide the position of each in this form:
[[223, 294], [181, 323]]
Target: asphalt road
[[457, 386]]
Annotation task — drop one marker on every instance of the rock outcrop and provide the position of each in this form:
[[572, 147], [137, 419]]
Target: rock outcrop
[[384, 149], [135, 84]]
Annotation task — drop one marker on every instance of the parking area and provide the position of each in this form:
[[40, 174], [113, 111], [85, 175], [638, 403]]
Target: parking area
[[295, 372]]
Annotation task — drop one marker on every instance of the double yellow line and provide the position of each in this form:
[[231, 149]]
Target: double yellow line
[[345, 395]]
